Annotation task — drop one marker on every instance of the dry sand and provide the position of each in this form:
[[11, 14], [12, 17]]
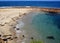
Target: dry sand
[[9, 18]]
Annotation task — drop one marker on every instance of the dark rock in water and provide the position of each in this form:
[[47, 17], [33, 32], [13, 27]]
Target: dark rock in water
[[18, 29], [50, 37], [23, 36], [32, 38], [52, 12], [58, 26]]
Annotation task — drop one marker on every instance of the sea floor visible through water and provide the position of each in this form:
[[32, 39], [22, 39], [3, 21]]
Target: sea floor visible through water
[[40, 25]]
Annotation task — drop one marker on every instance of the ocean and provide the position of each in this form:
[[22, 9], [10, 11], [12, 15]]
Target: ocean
[[41, 26], [54, 4]]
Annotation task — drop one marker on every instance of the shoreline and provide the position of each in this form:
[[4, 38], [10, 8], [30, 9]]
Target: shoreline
[[8, 20], [10, 16], [45, 9], [27, 7]]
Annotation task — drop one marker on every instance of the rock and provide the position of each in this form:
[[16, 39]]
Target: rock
[[50, 37], [5, 39], [32, 38], [9, 38], [15, 37], [14, 27], [23, 36], [17, 29], [0, 35]]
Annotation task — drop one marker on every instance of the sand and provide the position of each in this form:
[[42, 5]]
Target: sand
[[9, 18]]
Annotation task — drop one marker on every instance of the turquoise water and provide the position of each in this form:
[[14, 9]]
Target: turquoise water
[[44, 24], [40, 25]]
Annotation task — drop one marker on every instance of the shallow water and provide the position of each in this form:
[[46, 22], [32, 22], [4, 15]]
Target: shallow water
[[40, 25]]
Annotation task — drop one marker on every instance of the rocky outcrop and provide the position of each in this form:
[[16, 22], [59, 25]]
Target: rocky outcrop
[[51, 10]]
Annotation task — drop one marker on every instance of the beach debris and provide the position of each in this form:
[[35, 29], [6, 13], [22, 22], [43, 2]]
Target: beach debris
[[50, 37]]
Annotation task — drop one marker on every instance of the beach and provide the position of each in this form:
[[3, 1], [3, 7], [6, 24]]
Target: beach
[[9, 20]]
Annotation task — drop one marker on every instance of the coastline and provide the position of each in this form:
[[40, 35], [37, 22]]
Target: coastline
[[8, 20], [45, 9], [27, 7], [9, 17]]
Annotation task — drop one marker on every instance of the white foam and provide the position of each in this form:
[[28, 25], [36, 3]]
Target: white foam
[[28, 6], [20, 25]]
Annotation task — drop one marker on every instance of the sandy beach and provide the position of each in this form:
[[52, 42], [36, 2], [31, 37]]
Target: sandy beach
[[9, 18]]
